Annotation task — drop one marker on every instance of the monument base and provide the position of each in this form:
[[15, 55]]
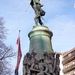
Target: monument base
[[41, 60]]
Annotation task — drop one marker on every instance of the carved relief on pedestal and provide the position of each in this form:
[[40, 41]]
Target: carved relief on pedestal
[[47, 65]]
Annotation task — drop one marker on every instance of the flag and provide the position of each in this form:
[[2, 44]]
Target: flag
[[19, 55]]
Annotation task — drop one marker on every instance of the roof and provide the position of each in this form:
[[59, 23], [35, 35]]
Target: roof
[[68, 52]]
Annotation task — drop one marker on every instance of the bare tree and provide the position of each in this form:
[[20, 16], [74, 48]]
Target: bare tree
[[6, 52]]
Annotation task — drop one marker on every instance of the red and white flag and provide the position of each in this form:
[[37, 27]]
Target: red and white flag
[[19, 55]]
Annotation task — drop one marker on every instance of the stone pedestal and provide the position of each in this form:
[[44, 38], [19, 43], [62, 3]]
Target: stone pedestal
[[41, 60], [40, 39]]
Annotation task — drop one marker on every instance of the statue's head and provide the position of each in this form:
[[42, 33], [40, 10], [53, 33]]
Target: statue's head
[[28, 54], [33, 53]]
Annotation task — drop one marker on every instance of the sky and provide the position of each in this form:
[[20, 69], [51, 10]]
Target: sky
[[60, 19]]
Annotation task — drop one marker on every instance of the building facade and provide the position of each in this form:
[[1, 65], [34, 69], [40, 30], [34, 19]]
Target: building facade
[[69, 62]]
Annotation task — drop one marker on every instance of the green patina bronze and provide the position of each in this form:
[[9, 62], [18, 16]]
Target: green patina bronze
[[40, 39]]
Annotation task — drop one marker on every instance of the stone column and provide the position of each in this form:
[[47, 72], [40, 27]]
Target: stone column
[[40, 39]]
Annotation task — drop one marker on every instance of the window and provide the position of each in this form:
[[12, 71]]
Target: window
[[66, 66], [73, 62]]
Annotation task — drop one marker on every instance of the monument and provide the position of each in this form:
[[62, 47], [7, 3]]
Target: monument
[[41, 58]]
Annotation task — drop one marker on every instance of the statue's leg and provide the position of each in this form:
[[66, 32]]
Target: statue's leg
[[41, 23], [36, 20]]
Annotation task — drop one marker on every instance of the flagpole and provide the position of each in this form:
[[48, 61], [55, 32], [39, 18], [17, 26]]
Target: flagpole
[[19, 32]]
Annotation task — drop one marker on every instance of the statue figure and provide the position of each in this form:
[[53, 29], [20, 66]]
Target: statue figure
[[39, 67], [57, 68], [33, 53], [39, 12], [42, 68], [27, 64], [34, 67], [49, 60], [45, 54]]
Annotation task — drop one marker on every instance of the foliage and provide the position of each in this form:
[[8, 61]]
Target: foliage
[[6, 52]]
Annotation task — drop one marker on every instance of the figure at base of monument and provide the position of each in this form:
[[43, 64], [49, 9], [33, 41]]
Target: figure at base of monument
[[49, 65], [39, 12]]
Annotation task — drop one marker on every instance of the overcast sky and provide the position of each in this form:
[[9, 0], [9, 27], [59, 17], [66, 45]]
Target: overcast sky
[[60, 17]]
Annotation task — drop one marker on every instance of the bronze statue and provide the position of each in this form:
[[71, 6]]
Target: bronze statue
[[39, 12]]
